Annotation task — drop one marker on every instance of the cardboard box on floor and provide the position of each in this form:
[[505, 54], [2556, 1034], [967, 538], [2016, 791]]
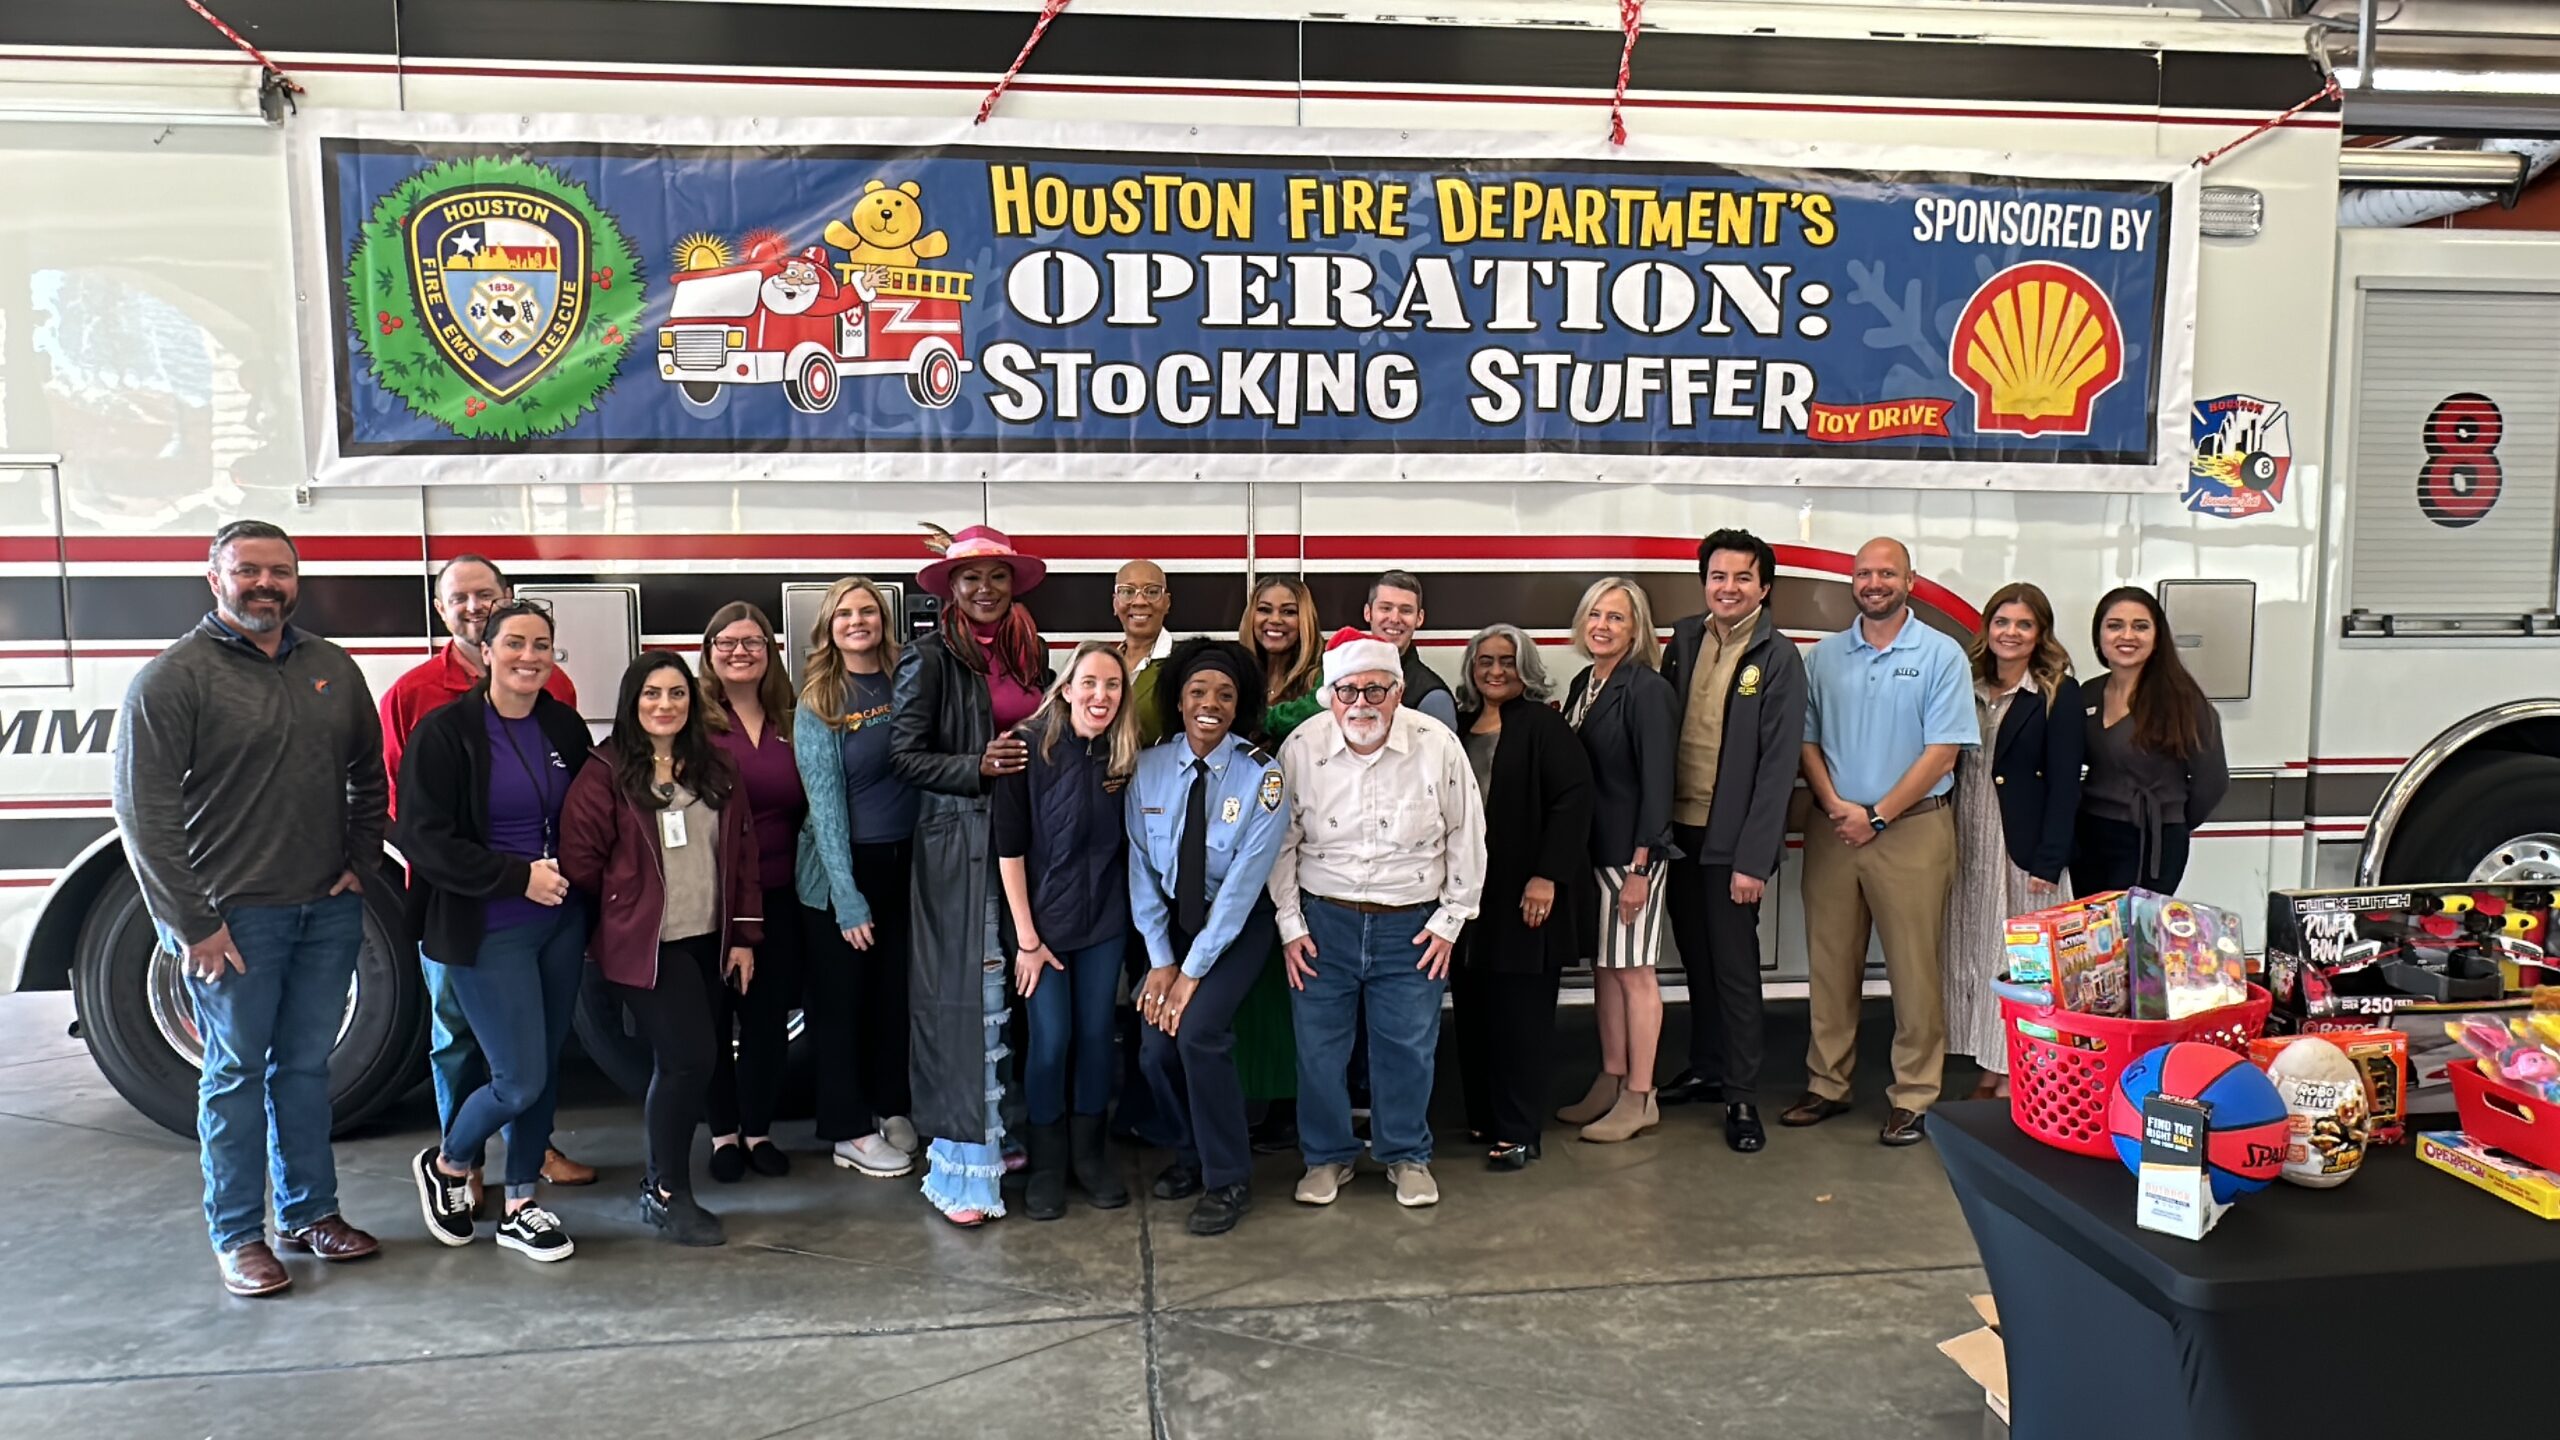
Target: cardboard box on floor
[[1985, 1361]]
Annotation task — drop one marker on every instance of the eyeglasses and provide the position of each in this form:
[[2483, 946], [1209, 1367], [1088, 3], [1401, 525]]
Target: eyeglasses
[[1350, 694], [729, 645], [1137, 592]]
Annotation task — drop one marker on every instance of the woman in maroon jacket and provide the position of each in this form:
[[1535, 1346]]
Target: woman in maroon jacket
[[659, 833]]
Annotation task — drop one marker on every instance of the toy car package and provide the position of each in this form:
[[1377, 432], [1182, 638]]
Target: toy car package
[[2079, 948]]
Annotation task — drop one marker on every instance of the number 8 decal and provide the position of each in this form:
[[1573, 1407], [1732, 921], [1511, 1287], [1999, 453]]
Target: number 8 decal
[[2461, 478]]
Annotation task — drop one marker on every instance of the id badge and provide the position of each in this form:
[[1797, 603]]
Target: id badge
[[671, 829]]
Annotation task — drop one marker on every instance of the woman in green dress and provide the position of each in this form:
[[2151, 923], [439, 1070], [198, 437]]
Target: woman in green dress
[[1280, 626]]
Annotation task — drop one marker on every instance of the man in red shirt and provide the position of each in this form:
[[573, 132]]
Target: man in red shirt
[[468, 589]]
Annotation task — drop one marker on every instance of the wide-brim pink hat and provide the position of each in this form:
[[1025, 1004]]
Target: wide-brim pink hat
[[980, 543]]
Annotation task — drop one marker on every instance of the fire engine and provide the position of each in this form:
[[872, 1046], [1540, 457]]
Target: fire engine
[[765, 323]]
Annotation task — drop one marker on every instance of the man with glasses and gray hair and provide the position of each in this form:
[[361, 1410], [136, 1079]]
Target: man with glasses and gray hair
[[1379, 871], [1140, 600]]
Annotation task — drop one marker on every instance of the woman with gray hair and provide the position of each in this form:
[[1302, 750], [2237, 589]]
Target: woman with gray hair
[[1539, 901]]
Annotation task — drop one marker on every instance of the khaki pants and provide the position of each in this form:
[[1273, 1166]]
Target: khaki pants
[[1895, 885]]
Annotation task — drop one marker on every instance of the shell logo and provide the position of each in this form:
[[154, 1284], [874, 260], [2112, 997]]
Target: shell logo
[[2037, 345]]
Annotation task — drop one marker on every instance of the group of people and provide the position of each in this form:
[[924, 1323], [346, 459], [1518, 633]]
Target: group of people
[[1201, 878]]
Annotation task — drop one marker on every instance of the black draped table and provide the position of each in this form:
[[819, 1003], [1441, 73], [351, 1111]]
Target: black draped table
[[2403, 1303]]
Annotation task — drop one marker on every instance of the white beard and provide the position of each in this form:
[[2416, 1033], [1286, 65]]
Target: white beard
[[1364, 726]]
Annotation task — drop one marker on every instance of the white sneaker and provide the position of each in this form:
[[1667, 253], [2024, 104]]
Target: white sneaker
[[874, 1156], [1414, 1186], [899, 1131], [1322, 1184]]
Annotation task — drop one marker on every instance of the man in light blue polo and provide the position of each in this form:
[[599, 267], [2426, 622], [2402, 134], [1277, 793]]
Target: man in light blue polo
[[1890, 706]]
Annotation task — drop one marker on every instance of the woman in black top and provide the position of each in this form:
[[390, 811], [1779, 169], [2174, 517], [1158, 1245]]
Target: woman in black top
[[1060, 848], [2155, 754], [1536, 915], [485, 779]]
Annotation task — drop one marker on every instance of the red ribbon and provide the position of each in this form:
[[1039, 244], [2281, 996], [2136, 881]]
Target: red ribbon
[[1049, 10], [254, 53], [1630, 17], [2329, 91]]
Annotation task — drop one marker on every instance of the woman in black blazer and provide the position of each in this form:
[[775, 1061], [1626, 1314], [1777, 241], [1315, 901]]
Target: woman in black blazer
[[2016, 799], [1623, 708], [1536, 914], [482, 784]]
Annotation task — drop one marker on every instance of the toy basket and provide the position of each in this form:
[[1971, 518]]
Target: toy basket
[[2505, 1118], [2058, 1088]]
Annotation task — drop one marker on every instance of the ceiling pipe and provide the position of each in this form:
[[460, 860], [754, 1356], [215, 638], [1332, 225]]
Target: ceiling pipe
[[2442, 194], [2488, 170]]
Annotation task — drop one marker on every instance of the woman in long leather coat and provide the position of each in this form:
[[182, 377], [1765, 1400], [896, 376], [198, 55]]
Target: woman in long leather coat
[[958, 694]]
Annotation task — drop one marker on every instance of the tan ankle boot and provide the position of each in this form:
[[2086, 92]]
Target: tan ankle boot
[[1605, 1089], [1633, 1115]]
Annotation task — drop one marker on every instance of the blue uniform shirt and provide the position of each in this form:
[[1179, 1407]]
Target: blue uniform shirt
[[1872, 711], [1248, 812]]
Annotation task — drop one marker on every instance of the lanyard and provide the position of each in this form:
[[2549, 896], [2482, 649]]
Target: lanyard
[[541, 785]]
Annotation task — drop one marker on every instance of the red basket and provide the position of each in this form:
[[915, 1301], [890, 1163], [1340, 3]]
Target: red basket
[[2058, 1089], [2500, 1116]]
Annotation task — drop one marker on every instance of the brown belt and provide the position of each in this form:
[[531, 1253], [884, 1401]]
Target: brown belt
[[1923, 806], [1371, 907]]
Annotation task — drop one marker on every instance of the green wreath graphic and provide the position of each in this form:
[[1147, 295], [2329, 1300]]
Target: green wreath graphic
[[382, 308]]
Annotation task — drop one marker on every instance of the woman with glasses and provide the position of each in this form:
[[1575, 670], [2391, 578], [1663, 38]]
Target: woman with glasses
[[486, 778], [1624, 709], [752, 722], [1535, 781]]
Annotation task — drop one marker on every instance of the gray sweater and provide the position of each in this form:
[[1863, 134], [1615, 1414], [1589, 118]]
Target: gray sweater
[[242, 780]]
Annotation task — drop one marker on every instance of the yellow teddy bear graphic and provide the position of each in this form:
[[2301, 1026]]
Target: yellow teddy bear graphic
[[888, 229]]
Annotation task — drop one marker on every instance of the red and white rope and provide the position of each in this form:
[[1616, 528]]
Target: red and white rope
[[1049, 10], [2329, 91], [254, 53], [1630, 17]]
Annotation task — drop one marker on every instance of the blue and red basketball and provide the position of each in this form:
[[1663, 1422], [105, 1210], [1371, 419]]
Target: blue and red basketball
[[2245, 1137]]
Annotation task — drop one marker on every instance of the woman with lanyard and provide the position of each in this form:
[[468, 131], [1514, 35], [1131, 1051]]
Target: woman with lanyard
[[660, 833], [1057, 834], [959, 693], [1205, 818], [487, 776], [856, 864], [1280, 630], [752, 723], [1624, 710]]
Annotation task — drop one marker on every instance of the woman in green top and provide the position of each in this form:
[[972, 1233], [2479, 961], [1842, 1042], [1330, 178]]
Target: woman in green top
[[1279, 626]]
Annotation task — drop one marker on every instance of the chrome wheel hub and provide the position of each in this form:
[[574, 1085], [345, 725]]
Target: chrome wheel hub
[[2524, 859]]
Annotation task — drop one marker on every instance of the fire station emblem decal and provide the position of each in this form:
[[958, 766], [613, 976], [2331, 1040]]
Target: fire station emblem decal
[[2244, 451], [493, 297]]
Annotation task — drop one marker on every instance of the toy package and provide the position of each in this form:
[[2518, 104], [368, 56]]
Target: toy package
[[2375, 950], [2524, 1053], [2535, 1190], [2184, 958], [2381, 1056], [2079, 949]]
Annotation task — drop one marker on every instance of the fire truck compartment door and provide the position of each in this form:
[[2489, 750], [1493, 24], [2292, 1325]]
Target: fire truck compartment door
[[35, 623], [2215, 624], [853, 337], [800, 602], [595, 636]]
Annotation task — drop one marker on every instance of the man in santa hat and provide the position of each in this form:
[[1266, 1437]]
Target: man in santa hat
[[1380, 868]]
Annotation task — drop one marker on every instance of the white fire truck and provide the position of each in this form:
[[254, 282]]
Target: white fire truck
[[2378, 632]]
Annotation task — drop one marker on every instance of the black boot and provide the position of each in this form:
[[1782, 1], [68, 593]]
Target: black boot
[[1095, 1173], [1045, 1192]]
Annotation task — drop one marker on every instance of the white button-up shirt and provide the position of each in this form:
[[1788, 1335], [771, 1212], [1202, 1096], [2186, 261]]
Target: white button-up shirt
[[1401, 826]]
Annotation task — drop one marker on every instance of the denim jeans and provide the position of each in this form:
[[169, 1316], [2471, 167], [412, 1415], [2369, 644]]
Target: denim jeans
[[453, 1057], [1071, 1014], [264, 1093], [519, 996], [1366, 958]]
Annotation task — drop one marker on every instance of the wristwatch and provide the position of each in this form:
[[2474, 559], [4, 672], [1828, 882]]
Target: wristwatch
[[1873, 818]]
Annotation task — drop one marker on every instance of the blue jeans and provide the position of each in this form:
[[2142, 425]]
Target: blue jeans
[[1071, 1015], [1366, 958], [453, 1057], [264, 1094], [518, 998]]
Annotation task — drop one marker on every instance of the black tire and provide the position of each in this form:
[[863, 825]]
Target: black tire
[[2475, 803], [381, 1057], [703, 399], [605, 1034], [812, 387]]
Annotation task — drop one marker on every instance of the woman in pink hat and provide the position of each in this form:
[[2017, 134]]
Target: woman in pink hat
[[958, 694]]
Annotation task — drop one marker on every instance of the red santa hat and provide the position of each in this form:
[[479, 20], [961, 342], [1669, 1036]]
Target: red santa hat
[[1356, 652]]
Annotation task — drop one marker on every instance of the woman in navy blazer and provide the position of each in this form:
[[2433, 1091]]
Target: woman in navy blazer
[[2017, 799]]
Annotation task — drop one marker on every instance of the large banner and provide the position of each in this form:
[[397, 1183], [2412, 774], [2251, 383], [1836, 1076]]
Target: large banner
[[569, 298]]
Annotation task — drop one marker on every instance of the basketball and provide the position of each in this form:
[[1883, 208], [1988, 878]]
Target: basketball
[[2245, 1138]]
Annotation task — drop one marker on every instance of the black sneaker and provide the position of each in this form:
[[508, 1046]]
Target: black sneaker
[[444, 1199], [766, 1159], [728, 1163], [678, 1220], [535, 1233], [1218, 1210], [1179, 1181]]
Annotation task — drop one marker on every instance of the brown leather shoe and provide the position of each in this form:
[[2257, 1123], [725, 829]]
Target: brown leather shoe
[[330, 1239], [253, 1270], [1903, 1127], [559, 1169], [1812, 1109]]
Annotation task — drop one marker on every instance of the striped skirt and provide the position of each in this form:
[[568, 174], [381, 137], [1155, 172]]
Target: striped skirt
[[1628, 947]]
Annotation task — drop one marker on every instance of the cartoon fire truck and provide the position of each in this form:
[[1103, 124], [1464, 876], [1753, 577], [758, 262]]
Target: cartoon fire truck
[[791, 321]]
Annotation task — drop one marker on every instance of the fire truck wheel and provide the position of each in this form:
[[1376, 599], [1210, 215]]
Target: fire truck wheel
[[811, 385], [935, 382], [701, 398], [140, 1025], [2490, 815]]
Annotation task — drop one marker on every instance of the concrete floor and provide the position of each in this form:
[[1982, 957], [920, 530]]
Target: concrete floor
[[1664, 1287]]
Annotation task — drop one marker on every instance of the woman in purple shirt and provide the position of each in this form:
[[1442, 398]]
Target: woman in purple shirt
[[742, 665]]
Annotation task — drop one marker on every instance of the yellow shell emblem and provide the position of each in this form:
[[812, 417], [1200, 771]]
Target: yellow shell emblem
[[1750, 681], [2036, 346]]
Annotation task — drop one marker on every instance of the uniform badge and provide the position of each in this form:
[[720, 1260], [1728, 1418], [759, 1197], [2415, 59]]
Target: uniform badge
[[1750, 680], [1232, 811], [1270, 789]]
